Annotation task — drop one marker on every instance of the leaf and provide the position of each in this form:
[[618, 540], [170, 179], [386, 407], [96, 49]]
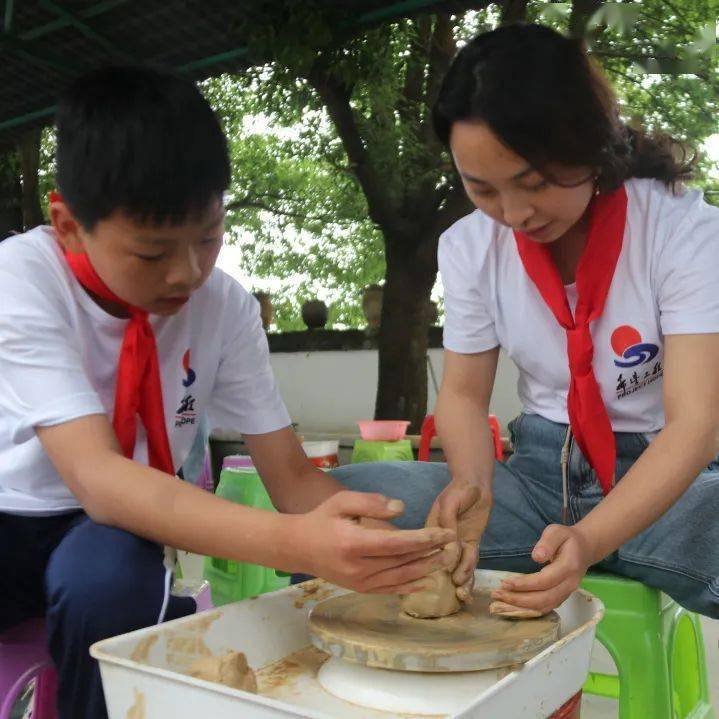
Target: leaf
[[619, 17]]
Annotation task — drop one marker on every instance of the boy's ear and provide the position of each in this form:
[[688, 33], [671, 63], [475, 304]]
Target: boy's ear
[[67, 228]]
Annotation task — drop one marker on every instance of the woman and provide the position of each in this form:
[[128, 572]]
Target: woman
[[595, 270]]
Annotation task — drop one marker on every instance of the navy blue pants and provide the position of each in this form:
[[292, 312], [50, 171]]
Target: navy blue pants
[[90, 582]]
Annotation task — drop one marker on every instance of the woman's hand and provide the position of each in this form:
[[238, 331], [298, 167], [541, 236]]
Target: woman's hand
[[568, 555], [464, 508], [331, 542]]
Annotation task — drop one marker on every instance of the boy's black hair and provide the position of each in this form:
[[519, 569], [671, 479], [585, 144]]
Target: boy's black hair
[[142, 141]]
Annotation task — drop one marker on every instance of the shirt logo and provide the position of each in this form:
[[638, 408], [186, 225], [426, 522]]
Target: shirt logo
[[627, 343], [191, 376], [186, 411]]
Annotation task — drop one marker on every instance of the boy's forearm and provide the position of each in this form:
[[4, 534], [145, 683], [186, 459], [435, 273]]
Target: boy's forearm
[[307, 489], [653, 484], [167, 510]]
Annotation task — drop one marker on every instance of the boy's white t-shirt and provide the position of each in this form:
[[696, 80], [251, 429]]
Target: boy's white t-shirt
[[666, 282], [58, 361]]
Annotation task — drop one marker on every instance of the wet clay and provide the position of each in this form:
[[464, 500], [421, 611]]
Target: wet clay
[[141, 652], [438, 600], [275, 679], [502, 609], [372, 629], [231, 669]]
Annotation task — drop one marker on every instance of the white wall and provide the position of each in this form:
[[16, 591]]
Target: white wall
[[328, 391]]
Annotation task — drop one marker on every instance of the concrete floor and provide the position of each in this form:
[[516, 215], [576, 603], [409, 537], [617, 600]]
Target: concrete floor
[[592, 707]]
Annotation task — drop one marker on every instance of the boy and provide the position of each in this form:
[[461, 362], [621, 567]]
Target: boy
[[116, 334]]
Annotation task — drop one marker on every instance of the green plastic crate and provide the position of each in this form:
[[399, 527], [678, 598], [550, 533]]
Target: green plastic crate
[[232, 581], [382, 451]]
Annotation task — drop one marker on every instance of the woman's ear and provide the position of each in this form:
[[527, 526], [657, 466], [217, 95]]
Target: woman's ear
[[67, 228]]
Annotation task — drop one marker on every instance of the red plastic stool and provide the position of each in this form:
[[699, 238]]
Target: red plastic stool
[[428, 431]]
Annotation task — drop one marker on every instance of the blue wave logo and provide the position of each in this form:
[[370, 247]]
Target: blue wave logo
[[638, 354]]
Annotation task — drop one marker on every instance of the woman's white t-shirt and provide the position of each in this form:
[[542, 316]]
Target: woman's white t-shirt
[[666, 282], [58, 361]]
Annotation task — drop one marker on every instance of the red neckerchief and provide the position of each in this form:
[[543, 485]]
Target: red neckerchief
[[139, 387], [587, 414]]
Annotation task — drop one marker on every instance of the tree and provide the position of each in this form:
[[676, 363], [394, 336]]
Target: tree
[[377, 91]]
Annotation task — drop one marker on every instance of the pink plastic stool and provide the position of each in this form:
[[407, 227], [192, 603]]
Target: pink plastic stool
[[24, 657]]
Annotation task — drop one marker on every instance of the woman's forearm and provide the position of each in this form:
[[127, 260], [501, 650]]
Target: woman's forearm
[[652, 485], [462, 424]]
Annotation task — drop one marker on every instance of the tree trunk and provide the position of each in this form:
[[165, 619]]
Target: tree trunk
[[30, 163], [10, 196], [402, 385]]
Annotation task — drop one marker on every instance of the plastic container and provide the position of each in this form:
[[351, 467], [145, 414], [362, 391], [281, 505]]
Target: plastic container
[[274, 626], [323, 454], [383, 429], [237, 461], [377, 451], [204, 481], [231, 581]]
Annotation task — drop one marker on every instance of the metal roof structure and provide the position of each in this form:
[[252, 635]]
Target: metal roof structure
[[46, 43]]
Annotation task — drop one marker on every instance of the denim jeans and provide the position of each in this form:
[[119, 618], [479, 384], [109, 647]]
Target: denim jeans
[[678, 554]]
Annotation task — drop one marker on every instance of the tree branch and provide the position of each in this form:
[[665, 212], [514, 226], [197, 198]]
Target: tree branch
[[257, 204], [442, 49], [658, 103], [416, 64], [336, 99]]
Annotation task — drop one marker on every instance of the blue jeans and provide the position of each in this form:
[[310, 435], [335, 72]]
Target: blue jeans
[[678, 554]]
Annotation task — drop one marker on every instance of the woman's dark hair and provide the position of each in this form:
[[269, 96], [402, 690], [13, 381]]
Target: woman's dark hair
[[139, 140], [546, 100]]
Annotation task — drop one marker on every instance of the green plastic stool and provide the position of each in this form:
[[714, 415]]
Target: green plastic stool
[[657, 647], [366, 450], [232, 581]]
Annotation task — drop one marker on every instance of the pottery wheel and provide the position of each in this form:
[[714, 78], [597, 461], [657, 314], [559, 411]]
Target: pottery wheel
[[371, 629]]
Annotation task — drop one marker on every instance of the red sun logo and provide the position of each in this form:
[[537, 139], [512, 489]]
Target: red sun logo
[[623, 337]]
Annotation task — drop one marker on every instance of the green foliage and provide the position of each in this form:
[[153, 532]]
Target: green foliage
[[301, 175], [293, 207], [46, 171], [296, 208], [661, 59]]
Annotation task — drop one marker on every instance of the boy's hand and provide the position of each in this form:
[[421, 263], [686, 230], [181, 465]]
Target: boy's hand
[[464, 508], [330, 542], [568, 556]]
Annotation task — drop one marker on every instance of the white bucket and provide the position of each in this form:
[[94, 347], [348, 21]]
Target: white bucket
[[271, 627]]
